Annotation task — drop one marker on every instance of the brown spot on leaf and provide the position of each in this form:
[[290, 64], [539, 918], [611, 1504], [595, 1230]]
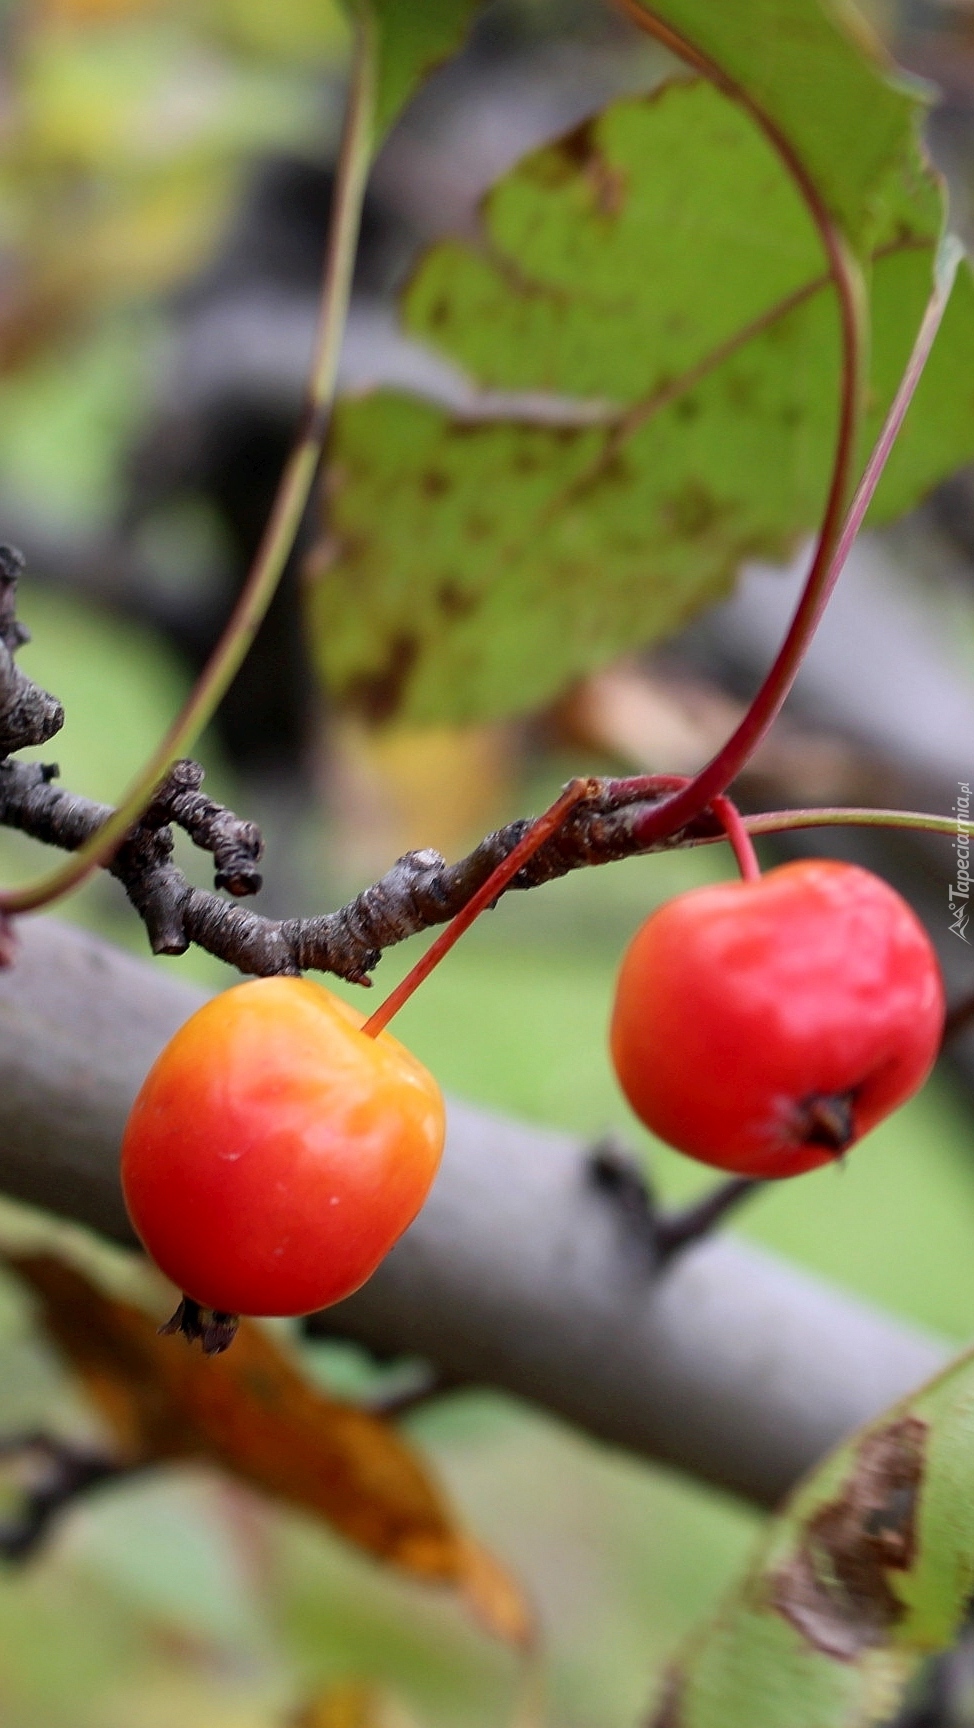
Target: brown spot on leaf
[[836, 1590], [616, 470], [579, 152], [693, 509], [609, 186], [377, 696], [453, 601], [578, 146], [477, 526], [433, 482], [565, 436]]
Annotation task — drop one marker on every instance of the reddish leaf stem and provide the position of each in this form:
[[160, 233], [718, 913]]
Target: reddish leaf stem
[[736, 752], [540, 831], [723, 768]]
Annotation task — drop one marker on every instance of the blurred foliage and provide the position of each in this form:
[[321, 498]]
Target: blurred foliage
[[658, 270], [253, 1414], [352, 1705], [125, 129]]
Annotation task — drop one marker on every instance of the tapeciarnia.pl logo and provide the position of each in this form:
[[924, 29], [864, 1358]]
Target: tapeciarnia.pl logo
[[959, 893]]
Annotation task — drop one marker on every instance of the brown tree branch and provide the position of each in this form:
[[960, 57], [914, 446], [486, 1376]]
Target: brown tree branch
[[419, 891], [28, 715]]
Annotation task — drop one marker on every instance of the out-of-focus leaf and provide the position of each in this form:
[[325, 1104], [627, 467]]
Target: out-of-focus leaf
[[129, 128], [821, 77], [402, 788], [250, 1412], [91, 11], [413, 40], [652, 291], [655, 721], [867, 1571]]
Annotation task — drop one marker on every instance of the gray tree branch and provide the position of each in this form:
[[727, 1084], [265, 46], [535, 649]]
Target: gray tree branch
[[519, 1274]]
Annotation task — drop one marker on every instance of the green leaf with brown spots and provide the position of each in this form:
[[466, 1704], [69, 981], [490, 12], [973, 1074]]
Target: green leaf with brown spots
[[821, 78], [648, 358], [866, 1572]]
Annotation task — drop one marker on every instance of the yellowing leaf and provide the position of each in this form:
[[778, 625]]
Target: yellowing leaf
[[252, 1413], [496, 1600], [401, 788]]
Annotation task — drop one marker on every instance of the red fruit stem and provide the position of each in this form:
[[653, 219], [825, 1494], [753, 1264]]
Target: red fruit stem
[[729, 816], [736, 830], [529, 843], [948, 258], [541, 830]]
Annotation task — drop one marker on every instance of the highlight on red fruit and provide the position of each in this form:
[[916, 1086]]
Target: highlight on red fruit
[[276, 1152], [764, 1027]]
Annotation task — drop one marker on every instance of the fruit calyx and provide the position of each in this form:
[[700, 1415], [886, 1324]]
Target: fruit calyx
[[826, 1119], [212, 1329]]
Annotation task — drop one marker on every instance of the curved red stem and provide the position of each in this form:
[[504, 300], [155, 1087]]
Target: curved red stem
[[723, 768]]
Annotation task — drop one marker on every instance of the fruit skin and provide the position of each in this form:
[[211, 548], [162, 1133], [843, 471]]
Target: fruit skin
[[276, 1152], [749, 1014]]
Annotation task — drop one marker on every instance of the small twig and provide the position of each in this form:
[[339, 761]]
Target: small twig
[[420, 891], [677, 1230], [28, 715], [660, 1235], [576, 794], [54, 1473], [31, 800]]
